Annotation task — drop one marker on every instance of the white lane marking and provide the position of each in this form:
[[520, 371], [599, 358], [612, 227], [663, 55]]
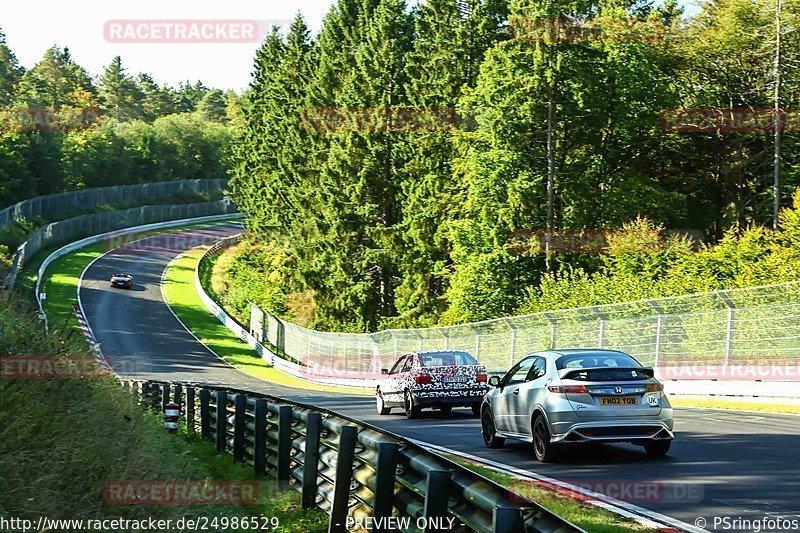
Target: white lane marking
[[644, 514]]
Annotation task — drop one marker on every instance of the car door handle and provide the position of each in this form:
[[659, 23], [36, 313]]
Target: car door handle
[[516, 392]]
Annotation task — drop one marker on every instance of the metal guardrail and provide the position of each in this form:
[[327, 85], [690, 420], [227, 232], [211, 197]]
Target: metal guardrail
[[343, 466], [64, 231]]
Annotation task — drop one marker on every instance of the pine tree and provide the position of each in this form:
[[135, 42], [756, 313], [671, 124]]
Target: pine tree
[[451, 40], [10, 72], [119, 94]]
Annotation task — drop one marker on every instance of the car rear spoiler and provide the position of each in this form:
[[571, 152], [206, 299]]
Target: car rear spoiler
[[574, 373]]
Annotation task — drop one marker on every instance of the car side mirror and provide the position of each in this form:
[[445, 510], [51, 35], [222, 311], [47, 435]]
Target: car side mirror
[[494, 381], [384, 370]]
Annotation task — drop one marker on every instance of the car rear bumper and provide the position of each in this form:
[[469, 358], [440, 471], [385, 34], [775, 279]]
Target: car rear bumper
[[616, 431], [464, 398]]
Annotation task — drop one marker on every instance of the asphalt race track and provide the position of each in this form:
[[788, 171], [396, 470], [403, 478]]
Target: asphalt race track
[[721, 464]]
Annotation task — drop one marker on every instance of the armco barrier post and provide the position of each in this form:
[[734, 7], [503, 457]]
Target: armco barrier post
[[177, 394], [190, 409], [222, 421], [239, 420], [311, 460], [385, 472], [154, 400], [260, 437], [436, 497], [284, 446], [165, 394], [507, 519], [344, 476], [205, 414]]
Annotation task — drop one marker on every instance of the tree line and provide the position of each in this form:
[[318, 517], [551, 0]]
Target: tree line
[[63, 129], [387, 223]]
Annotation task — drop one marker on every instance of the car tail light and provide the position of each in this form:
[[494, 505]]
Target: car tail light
[[482, 378], [655, 387], [423, 379], [567, 389]]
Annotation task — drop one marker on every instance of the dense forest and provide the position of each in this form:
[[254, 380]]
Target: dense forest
[[362, 217], [63, 129]]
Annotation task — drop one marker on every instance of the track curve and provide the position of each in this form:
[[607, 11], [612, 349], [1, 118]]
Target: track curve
[[721, 463]]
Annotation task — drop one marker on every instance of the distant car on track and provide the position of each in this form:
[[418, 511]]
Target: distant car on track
[[560, 397], [122, 280], [437, 379]]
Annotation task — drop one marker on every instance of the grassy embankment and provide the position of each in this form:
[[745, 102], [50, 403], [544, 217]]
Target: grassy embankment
[[63, 439]]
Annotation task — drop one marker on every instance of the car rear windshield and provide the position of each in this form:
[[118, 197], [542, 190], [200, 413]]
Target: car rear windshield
[[446, 359], [596, 360]]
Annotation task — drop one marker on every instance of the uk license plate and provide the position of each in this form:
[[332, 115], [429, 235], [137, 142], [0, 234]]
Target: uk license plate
[[619, 400]]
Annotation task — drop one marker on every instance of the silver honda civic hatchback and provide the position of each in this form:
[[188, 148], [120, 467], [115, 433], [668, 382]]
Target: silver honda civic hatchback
[[560, 397]]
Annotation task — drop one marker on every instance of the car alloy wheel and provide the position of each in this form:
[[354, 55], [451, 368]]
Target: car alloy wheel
[[545, 451], [411, 410], [490, 438], [380, 406]]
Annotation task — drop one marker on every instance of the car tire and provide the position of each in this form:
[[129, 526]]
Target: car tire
[[412, 411], [657, 448], [490, 438], [545, 450], [476, 409], [380, 406]]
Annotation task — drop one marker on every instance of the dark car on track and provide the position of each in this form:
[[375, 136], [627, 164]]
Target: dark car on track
[[432, 380], [122, 280]]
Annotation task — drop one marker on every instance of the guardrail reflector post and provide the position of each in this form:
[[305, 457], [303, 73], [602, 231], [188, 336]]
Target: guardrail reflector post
[[436, 497], [205, 414], [260, 436], [311, 460], [221, 429], [344, 476], [284, 446], [507, 519], [239, 427], [172, 416], [385, 472]]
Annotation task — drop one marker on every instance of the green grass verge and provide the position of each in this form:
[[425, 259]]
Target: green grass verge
[[181, 295], [584, 515], [720, 403]]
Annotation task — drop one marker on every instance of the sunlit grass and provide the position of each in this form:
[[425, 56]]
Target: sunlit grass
[[721, 403]]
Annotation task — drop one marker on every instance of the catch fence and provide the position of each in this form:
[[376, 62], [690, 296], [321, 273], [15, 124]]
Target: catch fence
[[754, 325]]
